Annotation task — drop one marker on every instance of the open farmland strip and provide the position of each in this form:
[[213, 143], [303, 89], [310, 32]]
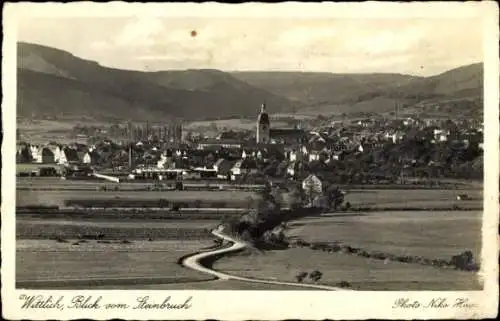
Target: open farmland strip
[[26, 230]]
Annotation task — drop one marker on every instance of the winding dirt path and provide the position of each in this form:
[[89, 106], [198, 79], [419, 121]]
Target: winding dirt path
[[193, 262]]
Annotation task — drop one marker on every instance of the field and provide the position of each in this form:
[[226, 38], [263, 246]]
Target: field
[[361, 273], [44, 131], [28, 167], [94, 184], [35, 228], [47, 264], [429, 234], [414, 198], [127, 250], [227, 285], [111, 251], [58, 198], [420, 233]]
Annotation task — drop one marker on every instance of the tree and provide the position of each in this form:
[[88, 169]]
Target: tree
[[335, 196], [295, 197]]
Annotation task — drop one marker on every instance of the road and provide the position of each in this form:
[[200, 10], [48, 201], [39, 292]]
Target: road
[[193, 262]]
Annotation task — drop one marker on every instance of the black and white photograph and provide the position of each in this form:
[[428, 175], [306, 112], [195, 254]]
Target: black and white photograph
[[236, 152]]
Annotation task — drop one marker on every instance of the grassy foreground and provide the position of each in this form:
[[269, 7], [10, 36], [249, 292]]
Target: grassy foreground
[[421, 233], [362, 274], [65, 265], [428, 234]]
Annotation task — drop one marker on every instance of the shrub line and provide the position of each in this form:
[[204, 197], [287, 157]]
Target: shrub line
[[462, 262]]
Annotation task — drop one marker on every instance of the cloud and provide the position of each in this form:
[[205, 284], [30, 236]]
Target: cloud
[[335, 45], [304, 36], [140, 32]]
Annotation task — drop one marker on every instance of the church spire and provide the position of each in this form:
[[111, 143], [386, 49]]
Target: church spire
[[263, 125]]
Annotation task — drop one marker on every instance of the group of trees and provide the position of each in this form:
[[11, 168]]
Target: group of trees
[[265, 223]]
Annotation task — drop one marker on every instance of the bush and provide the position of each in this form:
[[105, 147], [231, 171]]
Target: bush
[[315, 275], [344, 284], [463, 261], [59, 239], [301, 276]]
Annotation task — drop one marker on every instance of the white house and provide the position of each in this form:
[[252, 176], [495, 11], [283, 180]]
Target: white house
[[34, 150], [90, 157], [441, 135], [312, 187], [314, 156]]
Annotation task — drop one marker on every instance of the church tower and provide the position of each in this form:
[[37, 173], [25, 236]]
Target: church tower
[[263, 126]]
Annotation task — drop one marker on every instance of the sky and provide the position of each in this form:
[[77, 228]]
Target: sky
[[417, 46]]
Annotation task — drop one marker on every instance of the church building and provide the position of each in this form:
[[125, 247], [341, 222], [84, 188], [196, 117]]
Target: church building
[[286, 136]]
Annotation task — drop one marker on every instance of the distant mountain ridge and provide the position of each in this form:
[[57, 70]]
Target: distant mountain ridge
[[329, 89], [53, 82]]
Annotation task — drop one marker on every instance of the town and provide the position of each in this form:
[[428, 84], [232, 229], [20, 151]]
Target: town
[[363, 151]]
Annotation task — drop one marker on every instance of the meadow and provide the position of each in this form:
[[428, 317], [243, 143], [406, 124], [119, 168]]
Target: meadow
[[360, 273], [47, 264], [427, 234], [126, 230], [420, 233], [414, 198]]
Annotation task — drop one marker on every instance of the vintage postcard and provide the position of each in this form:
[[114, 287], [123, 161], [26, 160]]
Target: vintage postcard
[[250, 161]]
